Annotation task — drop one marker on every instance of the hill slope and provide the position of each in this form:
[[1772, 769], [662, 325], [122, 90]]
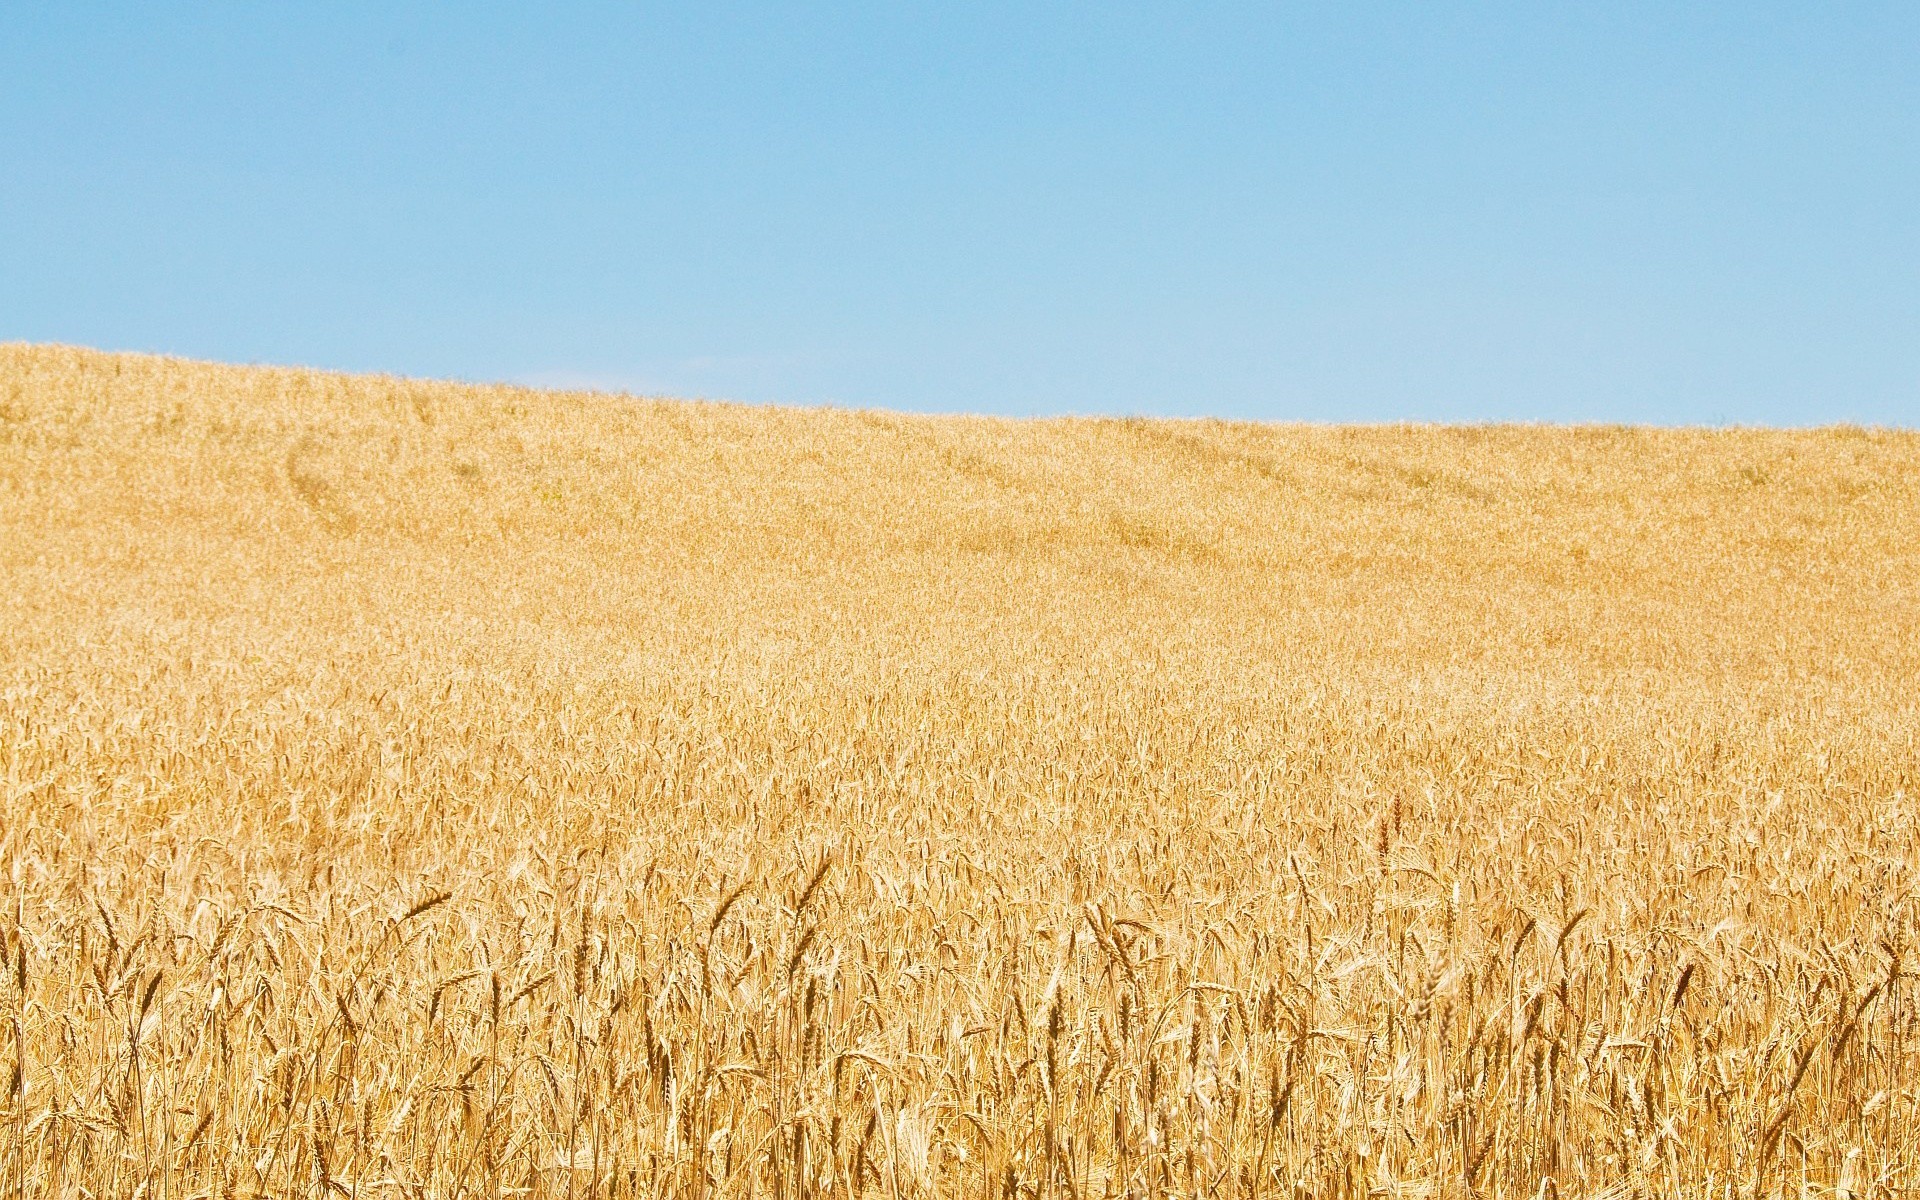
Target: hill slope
[[1195, 806]]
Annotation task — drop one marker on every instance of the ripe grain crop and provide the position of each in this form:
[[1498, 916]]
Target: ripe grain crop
[[431, 790]]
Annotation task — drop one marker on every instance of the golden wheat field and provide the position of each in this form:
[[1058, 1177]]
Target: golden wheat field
[[428, 790]]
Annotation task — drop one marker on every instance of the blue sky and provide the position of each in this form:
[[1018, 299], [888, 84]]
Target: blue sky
[[1629, 212]]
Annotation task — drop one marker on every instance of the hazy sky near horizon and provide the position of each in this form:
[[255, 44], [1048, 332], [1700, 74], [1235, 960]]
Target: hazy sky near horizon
[[1678, 213]]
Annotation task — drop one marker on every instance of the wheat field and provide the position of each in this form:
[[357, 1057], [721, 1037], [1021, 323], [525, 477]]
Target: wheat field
[[431, 790]]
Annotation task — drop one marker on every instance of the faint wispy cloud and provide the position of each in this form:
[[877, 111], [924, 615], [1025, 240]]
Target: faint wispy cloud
[[736, 376], [566, 380]]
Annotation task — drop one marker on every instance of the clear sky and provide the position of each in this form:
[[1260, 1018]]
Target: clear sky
[[1663, 212]]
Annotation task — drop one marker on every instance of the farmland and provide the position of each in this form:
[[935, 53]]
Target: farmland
[[419, 789]]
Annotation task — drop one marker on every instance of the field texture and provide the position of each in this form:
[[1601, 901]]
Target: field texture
[[425, 790]]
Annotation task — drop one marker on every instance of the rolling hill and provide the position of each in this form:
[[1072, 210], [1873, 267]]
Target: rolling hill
[[434, 789]]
